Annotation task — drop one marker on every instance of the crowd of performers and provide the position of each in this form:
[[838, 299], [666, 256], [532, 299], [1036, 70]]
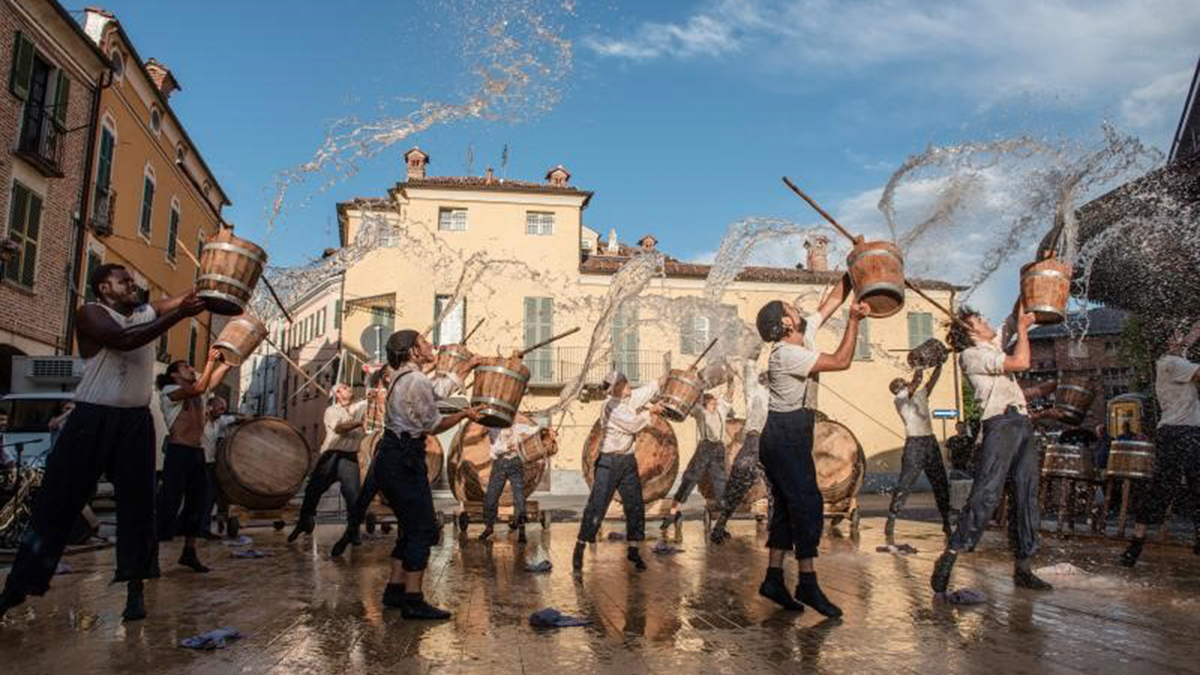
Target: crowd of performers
[[111, 432]]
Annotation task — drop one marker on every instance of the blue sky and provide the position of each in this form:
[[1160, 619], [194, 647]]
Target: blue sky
[[681, 116]]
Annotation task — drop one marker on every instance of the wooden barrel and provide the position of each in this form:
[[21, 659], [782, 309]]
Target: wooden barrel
[[1068, 461], [240, 337], [470, 465], [1045, 289], [229, 270], [657, 454], [433, 455], [538, 447], [453, 359], [877, 271], [840, 462], [734, 437], [376, 410], [499, 386], [680, 393], [262, 463], [1131, 459], [928, 354], [1073, 397]]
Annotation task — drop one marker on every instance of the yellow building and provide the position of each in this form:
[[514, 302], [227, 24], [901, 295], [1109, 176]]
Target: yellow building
[[521, 258]]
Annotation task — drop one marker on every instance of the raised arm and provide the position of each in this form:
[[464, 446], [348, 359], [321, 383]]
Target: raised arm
[[844, 355], [915, 382], [1020, 359], [933, 379], [95, 328], [202, 383], [638, 398], [844, 289]]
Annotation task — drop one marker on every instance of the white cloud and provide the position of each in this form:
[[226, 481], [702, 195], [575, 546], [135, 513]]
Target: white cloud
[[699, 35], [1146, 106]]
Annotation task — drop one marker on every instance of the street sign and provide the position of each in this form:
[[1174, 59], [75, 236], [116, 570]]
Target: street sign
[[946, 414]]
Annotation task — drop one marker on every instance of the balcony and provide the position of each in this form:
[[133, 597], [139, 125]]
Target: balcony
[[556, 366], [102, 211], [41, 142]]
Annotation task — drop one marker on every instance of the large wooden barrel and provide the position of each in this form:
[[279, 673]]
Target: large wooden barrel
[[433, 455], [928, 354], [262, 463], [840, 462], [240, 337], [453, 359], [734, 437], [470, 465], [680, 393], [877, 271], [1068, 461], [1131, 459], [657, 454], [1045, 289], [498, 390], [1073, 397], [229, 270]]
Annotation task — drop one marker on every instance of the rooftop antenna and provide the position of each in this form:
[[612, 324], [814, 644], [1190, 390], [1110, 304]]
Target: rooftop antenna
[[504, 162]]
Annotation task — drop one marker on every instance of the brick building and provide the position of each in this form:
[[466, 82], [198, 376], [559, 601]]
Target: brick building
[[46, 112]]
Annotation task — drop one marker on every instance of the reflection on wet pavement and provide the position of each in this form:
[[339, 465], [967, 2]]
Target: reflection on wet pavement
[[693, 612]]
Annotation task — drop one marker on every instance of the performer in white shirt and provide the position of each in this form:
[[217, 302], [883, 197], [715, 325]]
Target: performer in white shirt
[[215, 429], [338, 462], [508, 466], [710, 413], [746, 469], [921, 449]]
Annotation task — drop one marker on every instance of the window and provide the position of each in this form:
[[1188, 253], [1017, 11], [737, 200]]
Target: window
[[94, 260], [539, 223], [162, 351], [920, 328], [452, 220], [118, 64], [147, 204], [693, 333], [155, 120], [46, 93], [1077, 349], [337, 315], [193, 337], [173, 232], [625, 343], [321, 321], [384, 318], [862, 347], [1110, 348], [108, 143], [24, 229], [450, 330], [539, 325], [180, 153]]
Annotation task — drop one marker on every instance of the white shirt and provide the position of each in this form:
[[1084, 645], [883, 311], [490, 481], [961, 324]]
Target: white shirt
[[622, 418], [995, 389], [337, 414], [788, 368], [116, 378], [710, 426], [506, 442], [412, 401], [914, 411], [1176, 391], [214, 431]]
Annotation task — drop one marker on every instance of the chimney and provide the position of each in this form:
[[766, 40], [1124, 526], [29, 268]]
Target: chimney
[[489, 177], [647, 243], [162, 77], [612, 247], [558, 176], [818, 252], [416, 160]]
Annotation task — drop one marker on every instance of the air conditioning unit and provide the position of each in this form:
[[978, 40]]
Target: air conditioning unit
[[54, 369]]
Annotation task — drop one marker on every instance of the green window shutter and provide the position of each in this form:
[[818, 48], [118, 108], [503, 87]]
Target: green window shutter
[[687, 334], [21, 75], [62, 97], [337, 314], [926, 326], [173, 235], [147, 206], [104, 166], [862, 346], [914, 336]]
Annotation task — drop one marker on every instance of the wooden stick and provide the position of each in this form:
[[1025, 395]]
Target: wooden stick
[[183, 247], [852, 238], [295, 366], [703, 354], [468, 337], [937, 304], [274, 295], [548, 340]]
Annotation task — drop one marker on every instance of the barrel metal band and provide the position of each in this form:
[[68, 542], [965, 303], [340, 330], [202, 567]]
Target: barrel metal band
[[230, 346], [695, 384], [875, 251], [503, 371], [1048, 309], [209, 293], [881, 286], [489, 401], [234, 248], [221, 278], [1045, 273], [1075, 387], [1070, 408]]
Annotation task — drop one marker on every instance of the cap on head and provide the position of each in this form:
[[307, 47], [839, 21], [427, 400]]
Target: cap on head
[[613, 379], [399, 345]]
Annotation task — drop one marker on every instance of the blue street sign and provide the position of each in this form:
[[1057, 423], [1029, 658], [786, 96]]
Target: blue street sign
[[945, 414]]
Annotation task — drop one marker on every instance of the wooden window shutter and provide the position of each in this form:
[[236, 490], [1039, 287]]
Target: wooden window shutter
[[62, 97], [914, 331], [22, 67], [687, 334]]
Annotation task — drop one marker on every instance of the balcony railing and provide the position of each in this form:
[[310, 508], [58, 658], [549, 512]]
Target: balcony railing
[[103, 209], [40, 141], [556, 366]]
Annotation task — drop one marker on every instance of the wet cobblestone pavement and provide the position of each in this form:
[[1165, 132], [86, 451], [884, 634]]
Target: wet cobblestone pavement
[[693, 612]]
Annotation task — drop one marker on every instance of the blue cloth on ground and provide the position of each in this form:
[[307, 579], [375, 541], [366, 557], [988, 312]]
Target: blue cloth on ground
[[213, 639], [663, 548], [552, 618], [243, 540], [248, 553], [540, 566], [963, 596]]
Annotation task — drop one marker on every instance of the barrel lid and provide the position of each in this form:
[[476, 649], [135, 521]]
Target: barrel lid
[[267, 456]]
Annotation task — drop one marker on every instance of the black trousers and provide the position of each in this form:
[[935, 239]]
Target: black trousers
[[709, 460], [183, 493], [510, 469], [370, 487], [1176, 459], [332, 467], [613, 474], [922, 453], [798, 516], [1008, 453], [746, 470], [97, 439], [401, 472]]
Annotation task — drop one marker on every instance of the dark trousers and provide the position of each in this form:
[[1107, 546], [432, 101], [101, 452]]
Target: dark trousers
[[370, 487], [798, 516], [184, 484], [119, 443], [215, 498], [403, 479], [1176, 460], [613, 474], [1008, 452], [709, 460], [922, 453], [510, 469], [332, 467], [745, 471]]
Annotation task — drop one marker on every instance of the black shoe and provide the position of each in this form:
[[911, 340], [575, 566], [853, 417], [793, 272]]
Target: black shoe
[[1029, 580], [8, 599], [393, 596], [809, 593], [634, 557], [348, 538], [487, 532], [1130, 557], [773, 589], [135, 602], [521, 534], [577, 557], [940, 580], [303, 526], [719, 534], [190, 559], [417, 608], [670, 519]]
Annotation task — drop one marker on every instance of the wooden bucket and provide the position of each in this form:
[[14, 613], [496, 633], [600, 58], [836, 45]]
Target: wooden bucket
[[1045, 289], [840, 462], [376, 410], [433, 455], [681, 392], [229, 270], [262, 463], [877, 271], [240, 337], [928, 354], [470, 466], [538, 447], [1074, 398], [453, 359], [1131, 459], [1068, 461], [734, 438], [499, 386], [657, 454]]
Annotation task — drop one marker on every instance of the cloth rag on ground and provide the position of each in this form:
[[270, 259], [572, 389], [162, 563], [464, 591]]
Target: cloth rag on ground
[[243, 540], [248, 553], [1059, 569], [904, 549], [616, 536], [963, 596], [213, 639], [663, 548], [540, 566], [552, 618]]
